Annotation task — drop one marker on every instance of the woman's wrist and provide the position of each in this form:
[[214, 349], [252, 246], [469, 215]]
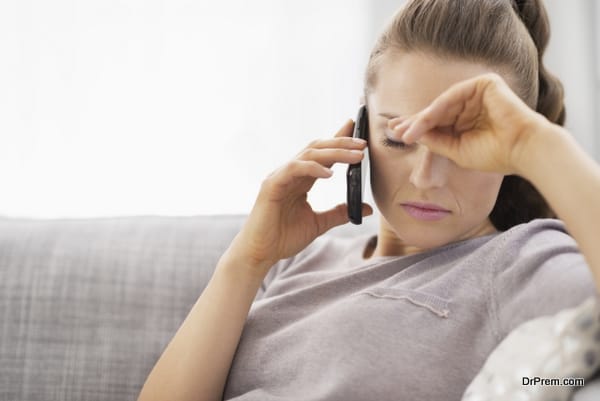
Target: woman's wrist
[[543, 142], [237, 262]]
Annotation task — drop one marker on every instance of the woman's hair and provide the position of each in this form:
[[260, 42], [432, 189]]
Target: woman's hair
[[507, 35]]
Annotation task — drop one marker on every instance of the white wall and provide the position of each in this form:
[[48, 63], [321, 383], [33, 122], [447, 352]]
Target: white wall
[[179, 107], [168, 107], [572, 55]]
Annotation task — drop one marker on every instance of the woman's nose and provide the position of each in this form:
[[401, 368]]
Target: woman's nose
[[429, 170]]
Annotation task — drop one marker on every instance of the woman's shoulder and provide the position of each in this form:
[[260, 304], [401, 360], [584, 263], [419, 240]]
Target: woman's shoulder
[[536, 226], [333, 249], [329, 251], [540, 225], [541, 256], [538, 235], [525, 248], [540, 272]]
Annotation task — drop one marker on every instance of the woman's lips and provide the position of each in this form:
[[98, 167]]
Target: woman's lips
[[425, 211]]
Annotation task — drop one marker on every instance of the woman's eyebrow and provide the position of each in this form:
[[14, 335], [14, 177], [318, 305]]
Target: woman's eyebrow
[[388, 115]]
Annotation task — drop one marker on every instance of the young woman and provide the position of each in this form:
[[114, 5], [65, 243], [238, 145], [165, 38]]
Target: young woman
[[469, 163]]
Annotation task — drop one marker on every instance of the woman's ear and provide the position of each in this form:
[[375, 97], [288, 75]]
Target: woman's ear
[[362, 100]]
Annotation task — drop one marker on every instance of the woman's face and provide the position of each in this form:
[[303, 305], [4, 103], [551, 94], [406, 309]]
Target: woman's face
[[405, 175]]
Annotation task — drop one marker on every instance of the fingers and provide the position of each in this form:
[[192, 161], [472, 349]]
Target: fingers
[[339, 142], [346, 129], [315, 162], [328, 157], [443, 111], [334, 150], [293, 179], [337, 216], [307, 168], [327, 152], [458, 107], [299, 168]]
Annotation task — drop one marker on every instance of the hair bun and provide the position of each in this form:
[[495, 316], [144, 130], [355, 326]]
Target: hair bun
[[519, 4], [535, 18], [551, 93]]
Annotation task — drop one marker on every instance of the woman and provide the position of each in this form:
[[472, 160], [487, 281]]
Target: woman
[[468, 159]]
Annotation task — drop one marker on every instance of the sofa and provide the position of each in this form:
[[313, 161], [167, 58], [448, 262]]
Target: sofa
[[88, 305]]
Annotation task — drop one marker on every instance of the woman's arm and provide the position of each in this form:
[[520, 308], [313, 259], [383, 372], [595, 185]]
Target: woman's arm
[[195, 364], [569, 179]]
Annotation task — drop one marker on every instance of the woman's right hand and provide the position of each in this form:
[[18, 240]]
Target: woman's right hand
[[282, 222]]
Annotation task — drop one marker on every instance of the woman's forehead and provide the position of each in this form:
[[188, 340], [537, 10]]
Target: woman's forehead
[[408, 82]]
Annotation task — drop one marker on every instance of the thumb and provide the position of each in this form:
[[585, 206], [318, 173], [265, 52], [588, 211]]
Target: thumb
[[338, 216]]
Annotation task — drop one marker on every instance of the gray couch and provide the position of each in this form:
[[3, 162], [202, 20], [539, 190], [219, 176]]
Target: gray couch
[[88, 305]]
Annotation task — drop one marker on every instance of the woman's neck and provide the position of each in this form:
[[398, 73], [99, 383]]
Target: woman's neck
[[387, 242]]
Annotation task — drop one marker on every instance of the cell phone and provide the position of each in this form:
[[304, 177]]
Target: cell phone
[[355, 176]]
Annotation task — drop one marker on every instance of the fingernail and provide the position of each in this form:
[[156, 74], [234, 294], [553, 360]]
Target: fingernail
[[360, 141]]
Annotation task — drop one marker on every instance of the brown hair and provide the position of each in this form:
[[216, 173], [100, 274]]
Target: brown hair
[[510, 35]]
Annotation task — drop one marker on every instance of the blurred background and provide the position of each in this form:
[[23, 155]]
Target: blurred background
[[181, 107]]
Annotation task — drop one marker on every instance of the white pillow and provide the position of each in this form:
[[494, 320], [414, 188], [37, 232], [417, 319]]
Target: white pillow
[[565, 345]]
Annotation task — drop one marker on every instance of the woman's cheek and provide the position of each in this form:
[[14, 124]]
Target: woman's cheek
[[374, 169], [485, 187], [376, 175], [387, 174]]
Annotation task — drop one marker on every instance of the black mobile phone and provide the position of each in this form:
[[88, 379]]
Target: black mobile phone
[[355, 176]]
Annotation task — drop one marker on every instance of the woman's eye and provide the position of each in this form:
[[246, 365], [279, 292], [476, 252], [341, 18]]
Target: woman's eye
[[392, 144]]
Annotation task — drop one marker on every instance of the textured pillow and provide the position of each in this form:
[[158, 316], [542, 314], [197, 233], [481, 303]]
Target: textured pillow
[[561, 346]]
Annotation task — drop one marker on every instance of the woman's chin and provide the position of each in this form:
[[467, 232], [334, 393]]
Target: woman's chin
[[424, 238]]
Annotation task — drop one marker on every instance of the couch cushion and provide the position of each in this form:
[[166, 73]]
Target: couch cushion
[[88, 305]]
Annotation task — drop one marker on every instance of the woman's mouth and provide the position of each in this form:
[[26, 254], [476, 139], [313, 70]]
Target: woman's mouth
[[425, 211]]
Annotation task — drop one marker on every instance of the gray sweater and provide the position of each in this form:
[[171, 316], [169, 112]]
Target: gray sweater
[[330, 325]]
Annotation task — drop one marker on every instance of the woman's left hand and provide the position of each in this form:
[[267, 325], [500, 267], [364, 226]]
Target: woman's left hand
[[479, 123]]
